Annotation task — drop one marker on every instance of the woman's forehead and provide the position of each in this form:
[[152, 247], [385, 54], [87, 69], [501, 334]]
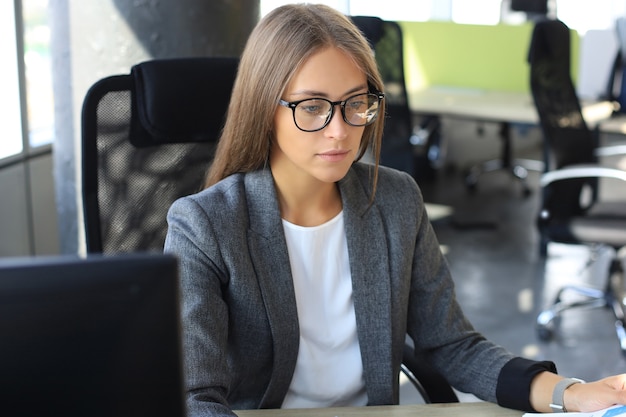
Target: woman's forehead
[[329, 71]]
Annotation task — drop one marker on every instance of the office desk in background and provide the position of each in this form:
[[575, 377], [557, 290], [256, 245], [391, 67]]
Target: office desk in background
[[616, 125], [492, 106], [503, 107], [471, 409]]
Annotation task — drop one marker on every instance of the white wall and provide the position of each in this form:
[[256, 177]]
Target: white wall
[[28, 215]]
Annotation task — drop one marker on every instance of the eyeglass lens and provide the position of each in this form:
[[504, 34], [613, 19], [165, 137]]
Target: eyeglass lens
[[315, 113]]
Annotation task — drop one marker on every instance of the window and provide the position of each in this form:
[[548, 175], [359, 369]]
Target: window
[[38, 72], [38, 77], [392, 10], [585, 15], [10, 111], [580, 15], [267, 5], [477, 12]]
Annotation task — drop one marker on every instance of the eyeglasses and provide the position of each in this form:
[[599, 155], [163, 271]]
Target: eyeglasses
[[313, 114]]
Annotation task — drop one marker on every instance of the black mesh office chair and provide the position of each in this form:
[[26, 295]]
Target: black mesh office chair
[[416, 149], [147, 139], [572, 210]]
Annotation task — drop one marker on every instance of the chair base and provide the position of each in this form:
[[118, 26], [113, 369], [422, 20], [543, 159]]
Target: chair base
[[611, 297], [517, 167]]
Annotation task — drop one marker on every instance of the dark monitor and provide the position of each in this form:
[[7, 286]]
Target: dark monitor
[[90, 337], [530, 6]]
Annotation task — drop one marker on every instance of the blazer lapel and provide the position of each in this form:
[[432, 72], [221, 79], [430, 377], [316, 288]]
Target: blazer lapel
[[369, 262], [268, 250], [367, 248]]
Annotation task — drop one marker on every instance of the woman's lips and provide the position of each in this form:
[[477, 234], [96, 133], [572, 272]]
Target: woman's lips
[[334, 156]]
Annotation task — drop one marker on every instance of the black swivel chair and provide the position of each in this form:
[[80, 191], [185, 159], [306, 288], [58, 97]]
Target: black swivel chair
[[416, 149], [572, 210], [147, 139]]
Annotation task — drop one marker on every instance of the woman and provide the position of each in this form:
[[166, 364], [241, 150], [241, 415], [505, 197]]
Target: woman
[[303, 269]]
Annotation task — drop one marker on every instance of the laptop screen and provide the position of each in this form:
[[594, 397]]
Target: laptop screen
[[90, 337]]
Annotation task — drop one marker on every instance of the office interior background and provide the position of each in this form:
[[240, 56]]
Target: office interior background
[[53, 50]]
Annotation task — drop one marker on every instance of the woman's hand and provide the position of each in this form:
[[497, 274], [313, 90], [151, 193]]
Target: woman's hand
[[593, 396], [585, 397]]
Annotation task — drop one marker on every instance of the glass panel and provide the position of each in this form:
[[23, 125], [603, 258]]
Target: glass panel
[[38, 72], [585, 15], [393, 10], [10, 114], [476, 12], [267, 5]]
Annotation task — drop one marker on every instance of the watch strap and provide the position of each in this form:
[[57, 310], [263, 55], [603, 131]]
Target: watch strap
[[557, 395]]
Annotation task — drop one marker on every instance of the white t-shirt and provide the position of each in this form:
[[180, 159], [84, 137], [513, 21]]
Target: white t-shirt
[[329, 371]]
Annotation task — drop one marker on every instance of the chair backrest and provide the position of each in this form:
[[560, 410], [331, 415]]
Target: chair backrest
[[147, 139], [568, 139], [385, 37]]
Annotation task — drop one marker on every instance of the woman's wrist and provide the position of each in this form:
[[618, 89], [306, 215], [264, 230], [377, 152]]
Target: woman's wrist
[[561, 404], [541, 389], [569, 396], [549, 392]]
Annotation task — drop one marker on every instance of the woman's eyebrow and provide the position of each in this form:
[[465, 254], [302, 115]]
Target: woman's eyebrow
[[317, 93]]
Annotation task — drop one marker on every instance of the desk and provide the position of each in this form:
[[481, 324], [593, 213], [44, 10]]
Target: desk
[[492, 106], [616, 125], [477, 409], [502, 107]]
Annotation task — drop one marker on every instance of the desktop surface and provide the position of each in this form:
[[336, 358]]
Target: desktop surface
[[494, 106], [470, 409], [90, 337]]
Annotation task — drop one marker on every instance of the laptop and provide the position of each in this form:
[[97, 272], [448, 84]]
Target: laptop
[[95, 336]]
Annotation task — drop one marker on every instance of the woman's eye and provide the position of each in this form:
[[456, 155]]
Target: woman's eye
[[313, 108], [357, 104]]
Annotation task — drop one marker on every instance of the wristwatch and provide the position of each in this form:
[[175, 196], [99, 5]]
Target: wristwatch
[[557, 395]]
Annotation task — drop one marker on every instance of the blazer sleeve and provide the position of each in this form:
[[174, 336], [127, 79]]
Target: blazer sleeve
[[433, 318], [441, 331], [190, 236]]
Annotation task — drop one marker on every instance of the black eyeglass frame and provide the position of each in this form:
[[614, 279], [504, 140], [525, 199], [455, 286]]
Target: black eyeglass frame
[[342, 105]]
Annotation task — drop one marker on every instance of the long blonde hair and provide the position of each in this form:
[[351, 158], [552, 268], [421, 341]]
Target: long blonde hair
[[275, 50]]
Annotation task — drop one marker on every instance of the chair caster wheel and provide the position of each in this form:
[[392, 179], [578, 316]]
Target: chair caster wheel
[[544, 333], [470, 184]]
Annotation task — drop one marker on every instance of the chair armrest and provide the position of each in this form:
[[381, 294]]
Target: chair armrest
[[581, 171]]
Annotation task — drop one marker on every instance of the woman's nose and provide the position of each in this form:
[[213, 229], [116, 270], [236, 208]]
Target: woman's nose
[[337, 128]]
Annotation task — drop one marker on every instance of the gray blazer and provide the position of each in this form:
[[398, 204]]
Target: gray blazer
[[240, 324]]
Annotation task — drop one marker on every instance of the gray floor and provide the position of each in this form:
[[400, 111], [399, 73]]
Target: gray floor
[[491, 244]]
